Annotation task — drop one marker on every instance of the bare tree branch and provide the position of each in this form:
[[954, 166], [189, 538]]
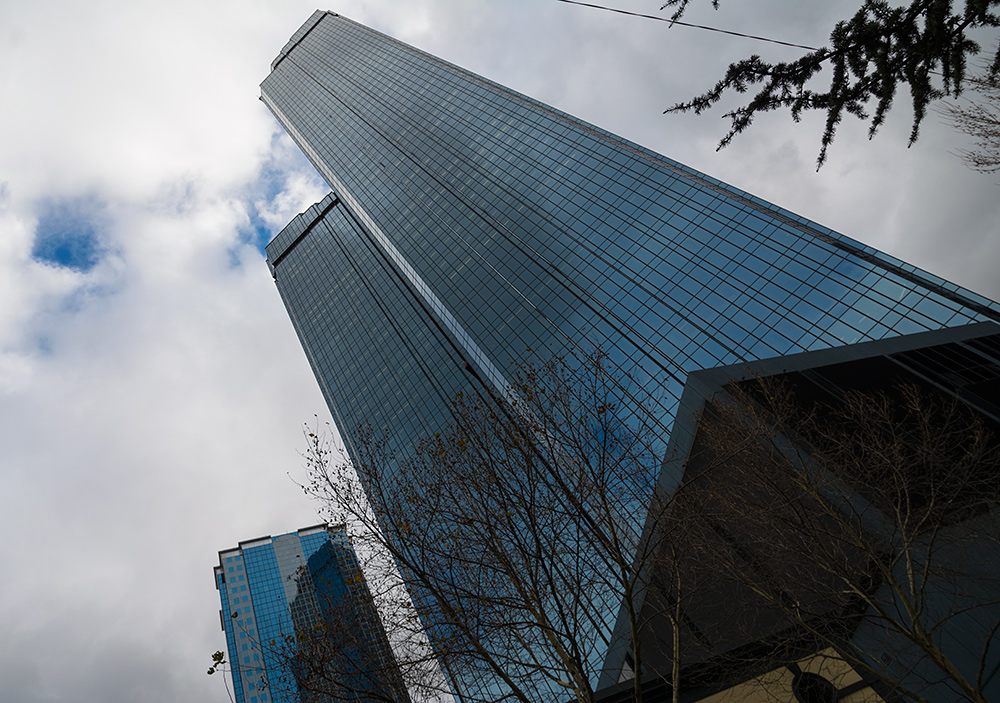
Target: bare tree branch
[[869, 516]]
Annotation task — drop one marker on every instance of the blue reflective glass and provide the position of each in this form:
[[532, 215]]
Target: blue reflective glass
[[470, 227]]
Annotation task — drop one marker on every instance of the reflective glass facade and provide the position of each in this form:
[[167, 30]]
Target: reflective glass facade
[[470, 226], [272, 587]]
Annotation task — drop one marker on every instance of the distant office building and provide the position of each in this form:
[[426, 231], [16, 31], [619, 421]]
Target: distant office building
[[282, 596], [470, 227]]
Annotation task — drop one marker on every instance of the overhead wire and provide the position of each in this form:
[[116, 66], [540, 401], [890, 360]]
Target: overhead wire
[[689, 24]]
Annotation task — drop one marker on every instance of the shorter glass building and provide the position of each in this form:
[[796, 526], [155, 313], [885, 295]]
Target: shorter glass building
[[281, 595]]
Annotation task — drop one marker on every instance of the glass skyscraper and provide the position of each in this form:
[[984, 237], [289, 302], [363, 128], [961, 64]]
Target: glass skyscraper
[[275, 591], [470, 226]]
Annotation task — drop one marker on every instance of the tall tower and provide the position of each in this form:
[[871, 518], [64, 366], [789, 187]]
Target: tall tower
[[470, 226], [278, 595]]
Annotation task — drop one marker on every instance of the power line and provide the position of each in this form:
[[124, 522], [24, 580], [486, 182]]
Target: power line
[[688, 24]]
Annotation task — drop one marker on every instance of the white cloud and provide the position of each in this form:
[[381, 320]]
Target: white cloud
[[300, 187]]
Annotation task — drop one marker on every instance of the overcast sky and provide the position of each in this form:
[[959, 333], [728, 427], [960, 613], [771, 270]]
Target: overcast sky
[[152, 391]]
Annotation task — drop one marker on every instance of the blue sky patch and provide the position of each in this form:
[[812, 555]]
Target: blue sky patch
[[257, 233], [68, 233], [266, 188], [274, 175], [260, 232]]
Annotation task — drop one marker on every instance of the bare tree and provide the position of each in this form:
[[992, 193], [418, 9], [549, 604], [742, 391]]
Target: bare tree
[[517, 530], [864, 529], [978, 115], [870, 524]]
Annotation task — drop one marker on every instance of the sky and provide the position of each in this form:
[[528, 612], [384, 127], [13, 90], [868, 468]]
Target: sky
[[152, 390]]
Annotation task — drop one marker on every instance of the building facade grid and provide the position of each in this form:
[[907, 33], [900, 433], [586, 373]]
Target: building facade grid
[[471, 228]]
